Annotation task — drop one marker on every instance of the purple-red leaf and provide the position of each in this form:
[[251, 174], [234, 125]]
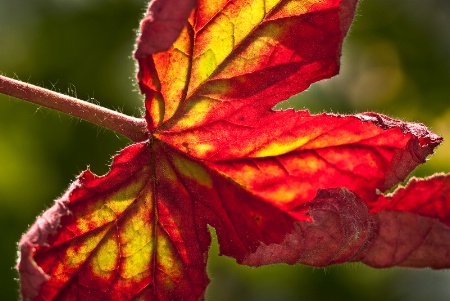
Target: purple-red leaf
[[340, 226], [162, 25], [413, 225]]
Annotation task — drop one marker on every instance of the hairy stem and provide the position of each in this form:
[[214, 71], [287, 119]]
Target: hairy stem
[[130, 127]]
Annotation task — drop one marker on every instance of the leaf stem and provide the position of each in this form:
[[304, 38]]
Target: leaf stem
[[128, 126]]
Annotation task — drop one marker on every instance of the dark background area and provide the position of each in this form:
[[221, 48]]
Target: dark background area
[[396, 61]]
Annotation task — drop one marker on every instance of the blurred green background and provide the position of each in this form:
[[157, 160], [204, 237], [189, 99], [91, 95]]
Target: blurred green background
[[396, 61]]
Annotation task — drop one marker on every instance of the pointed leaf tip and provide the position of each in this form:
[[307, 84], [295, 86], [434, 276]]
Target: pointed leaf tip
[[347, 8], [161, 25]]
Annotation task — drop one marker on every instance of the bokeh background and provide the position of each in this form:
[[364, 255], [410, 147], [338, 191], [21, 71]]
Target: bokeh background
[[395, 61]]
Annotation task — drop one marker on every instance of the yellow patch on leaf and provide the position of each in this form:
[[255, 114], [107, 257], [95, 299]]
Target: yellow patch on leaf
[[104, 211], [136, 238], [276, 148], [193, 171], [195, 112], [295, 8], [105, 260], [174, 79], [168, 261], [77, 253]]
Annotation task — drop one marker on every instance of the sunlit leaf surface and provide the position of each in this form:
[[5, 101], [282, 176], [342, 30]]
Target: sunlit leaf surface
[[277, 186]]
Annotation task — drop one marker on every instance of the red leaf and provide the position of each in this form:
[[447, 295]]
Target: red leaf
[[286, 156], [278, 186], [126, 238], [236, 54]]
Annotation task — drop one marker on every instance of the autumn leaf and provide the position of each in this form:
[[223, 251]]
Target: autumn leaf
[[413, 225], [277, 186]]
